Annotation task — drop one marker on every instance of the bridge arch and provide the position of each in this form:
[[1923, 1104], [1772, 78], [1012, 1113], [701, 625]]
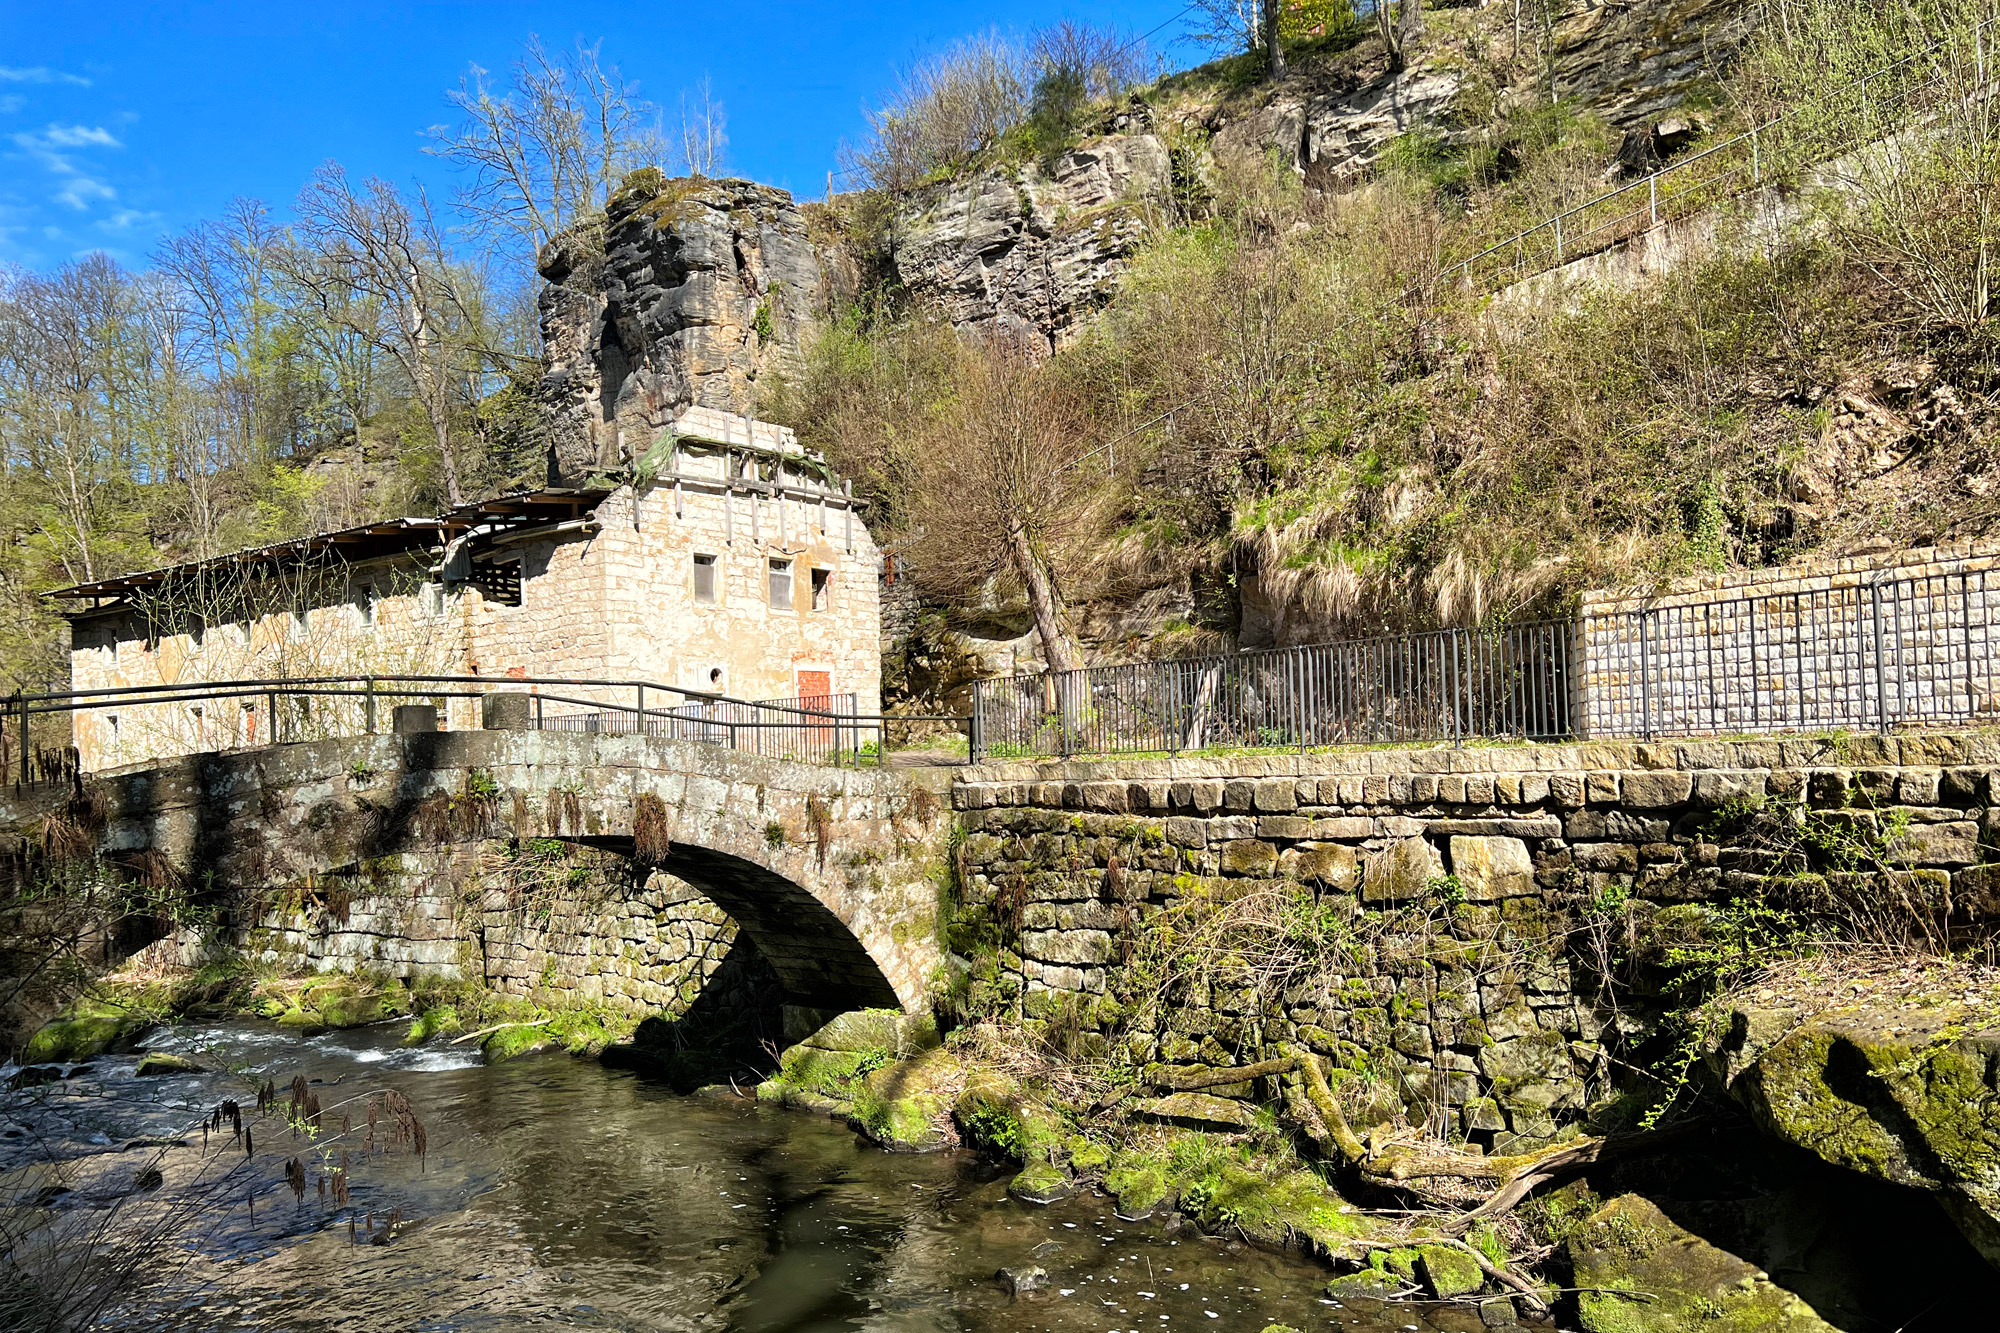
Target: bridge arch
[[826, 871]]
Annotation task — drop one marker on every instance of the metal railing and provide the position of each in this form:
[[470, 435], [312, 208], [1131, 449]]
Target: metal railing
[[1881, 655], [816, 730], [1895, 96], [1447, 685]]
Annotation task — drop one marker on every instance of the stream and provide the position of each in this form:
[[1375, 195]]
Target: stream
[[554, 1192]]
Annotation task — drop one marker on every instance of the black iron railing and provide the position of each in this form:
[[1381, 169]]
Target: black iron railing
[[821, 729], [1445, 685], [1876, 654]]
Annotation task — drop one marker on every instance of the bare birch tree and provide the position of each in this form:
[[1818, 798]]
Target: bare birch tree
[[548, 148], [375, 265]]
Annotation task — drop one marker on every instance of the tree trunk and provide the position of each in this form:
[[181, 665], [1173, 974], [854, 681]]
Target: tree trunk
[[1041, 600], [1274, 48], [1411, 22]]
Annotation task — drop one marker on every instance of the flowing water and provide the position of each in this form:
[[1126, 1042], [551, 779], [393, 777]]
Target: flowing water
[[557, 1193]]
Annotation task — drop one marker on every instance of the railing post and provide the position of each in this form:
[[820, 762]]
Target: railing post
[[1653, 193], [975, 726], [1881, 672], [1756, 162], [642, 700], [1460, 686], [1559, 238], [1645, 678], [368, 707], [23, 728], [271, 717]]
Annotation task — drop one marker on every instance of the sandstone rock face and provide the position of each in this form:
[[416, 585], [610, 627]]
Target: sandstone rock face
[[1631, 63], [1023, 253], [700, 293]]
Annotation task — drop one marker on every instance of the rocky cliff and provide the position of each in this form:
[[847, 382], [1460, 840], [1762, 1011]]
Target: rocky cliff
[[701, 291], [690, 291]]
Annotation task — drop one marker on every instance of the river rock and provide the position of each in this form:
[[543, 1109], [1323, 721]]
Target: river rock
[[1895, 1088], [160, 1062], [1021, 1281], [1676, 1281]]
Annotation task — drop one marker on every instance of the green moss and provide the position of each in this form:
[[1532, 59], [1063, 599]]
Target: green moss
[[1448, 1271], [91, 1026], [439, 1021], [1273, 1206], [514, 1040], [1139, 1182]]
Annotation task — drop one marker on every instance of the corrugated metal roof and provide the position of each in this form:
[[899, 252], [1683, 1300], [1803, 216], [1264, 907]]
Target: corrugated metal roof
[[367, 540]]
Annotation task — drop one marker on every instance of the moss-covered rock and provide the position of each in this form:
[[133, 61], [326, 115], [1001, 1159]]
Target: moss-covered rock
[[1904, 1091], [160, 1063], [1273, 1206], [89, 1027], [1369, 1283], [1138, 1182], [1042, 1181], [1676, 1281], [1448, 1271]]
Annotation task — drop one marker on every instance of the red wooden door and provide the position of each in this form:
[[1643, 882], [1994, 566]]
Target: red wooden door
[[816, 692]]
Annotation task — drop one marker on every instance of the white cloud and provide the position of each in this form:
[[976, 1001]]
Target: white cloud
[[9, 105], [125, 219], [41, 74], [78, 136], [75, 186]]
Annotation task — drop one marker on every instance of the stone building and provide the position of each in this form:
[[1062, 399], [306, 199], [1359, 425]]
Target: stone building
[[724, 560]]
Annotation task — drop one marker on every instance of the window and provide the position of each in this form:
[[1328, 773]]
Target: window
[[300, 624], [781, 585], [822, 587], [704, 578], [364, 602]]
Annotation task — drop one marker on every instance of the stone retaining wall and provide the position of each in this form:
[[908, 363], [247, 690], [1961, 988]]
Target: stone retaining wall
[[1464, 881]]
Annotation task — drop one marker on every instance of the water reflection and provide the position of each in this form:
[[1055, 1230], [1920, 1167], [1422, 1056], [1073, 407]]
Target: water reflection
[[559, 1193]]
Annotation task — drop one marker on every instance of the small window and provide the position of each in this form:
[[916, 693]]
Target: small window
[[704, 578], [781, 585], [365, 603], [822, 588], [111, 643], [300, 625]]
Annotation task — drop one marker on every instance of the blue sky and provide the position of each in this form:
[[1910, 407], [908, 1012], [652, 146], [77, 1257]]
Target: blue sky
[[122, 122]]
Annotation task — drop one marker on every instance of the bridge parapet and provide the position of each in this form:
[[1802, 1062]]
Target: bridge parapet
[[826, 870]]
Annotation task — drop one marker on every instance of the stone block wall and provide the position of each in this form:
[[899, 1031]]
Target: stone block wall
[[584, 934], [1459, 887]]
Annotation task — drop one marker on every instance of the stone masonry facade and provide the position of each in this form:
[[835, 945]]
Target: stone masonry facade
[[1466, 879], [733, 563]]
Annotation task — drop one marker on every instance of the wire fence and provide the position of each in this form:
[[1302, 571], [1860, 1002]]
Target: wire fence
[[1441, 686], [1898, 96], [1896, 652]]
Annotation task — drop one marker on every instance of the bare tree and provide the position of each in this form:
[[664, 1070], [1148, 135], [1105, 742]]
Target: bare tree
[[1399, 30], [704, 133], [1004, 484], [375, 265], [549, 148]]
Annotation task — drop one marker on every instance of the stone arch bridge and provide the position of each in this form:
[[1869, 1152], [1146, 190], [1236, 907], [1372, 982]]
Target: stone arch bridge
[[828, 871]]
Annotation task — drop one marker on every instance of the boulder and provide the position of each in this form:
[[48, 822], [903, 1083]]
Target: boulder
[[1638, 1272], [1902, 1088]]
